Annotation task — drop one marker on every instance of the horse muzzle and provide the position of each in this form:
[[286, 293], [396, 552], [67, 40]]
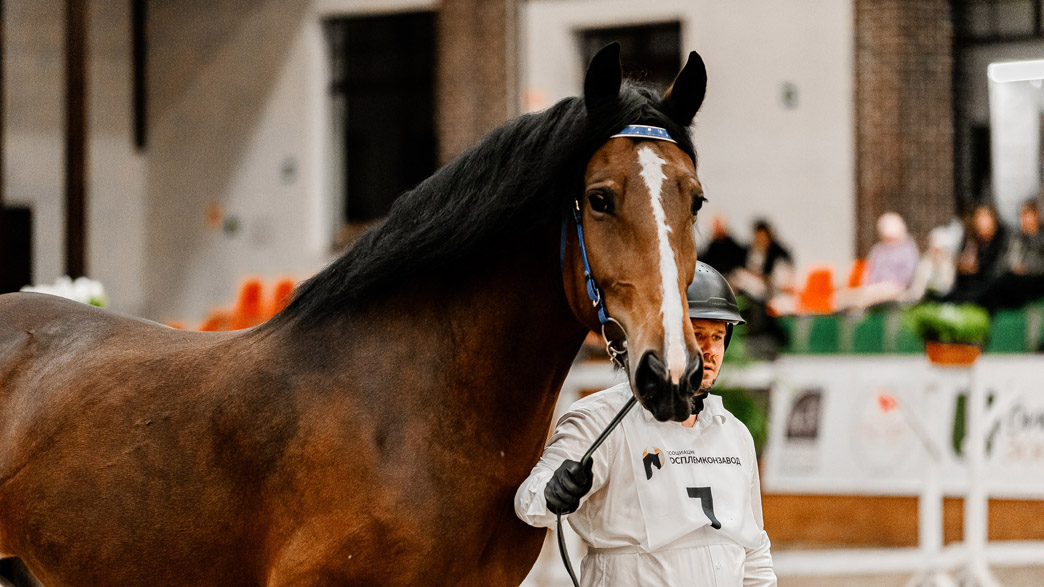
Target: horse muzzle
[[665, 399]]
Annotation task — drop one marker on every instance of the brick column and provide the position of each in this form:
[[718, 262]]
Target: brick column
[[904, 115], [476, 71]]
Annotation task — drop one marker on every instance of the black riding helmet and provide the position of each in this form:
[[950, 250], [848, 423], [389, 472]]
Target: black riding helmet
[[711, 298]]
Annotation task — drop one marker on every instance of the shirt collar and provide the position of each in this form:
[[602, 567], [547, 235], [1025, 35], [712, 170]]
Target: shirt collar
[[713, 407]]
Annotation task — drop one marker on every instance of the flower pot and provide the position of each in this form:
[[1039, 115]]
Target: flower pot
[[950, 354]]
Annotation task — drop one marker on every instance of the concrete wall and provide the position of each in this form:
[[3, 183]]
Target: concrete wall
[[229, 189], [757, 157], [34, 160], [1015, 112], [977, 105], [240, 129]]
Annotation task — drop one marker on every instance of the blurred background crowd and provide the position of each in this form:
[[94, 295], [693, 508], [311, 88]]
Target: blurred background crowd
[[975, 259]]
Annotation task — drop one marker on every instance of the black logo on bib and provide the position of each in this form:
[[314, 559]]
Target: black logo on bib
[[652, 457]]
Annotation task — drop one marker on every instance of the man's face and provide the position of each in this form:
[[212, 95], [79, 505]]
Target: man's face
[[761, 240], [1029, 221], [710, 335]]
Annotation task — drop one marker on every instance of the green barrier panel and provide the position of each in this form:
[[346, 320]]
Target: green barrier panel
[[907, 342], [824, 334], [1007, 332], [868, 335], [789, 326]]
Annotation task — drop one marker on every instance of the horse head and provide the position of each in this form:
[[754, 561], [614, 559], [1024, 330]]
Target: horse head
[[635, 219]]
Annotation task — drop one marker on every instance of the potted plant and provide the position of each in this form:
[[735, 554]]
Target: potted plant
[[953, 334]]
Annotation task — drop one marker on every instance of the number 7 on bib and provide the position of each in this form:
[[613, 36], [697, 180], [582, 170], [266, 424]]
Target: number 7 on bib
[[707, 501]]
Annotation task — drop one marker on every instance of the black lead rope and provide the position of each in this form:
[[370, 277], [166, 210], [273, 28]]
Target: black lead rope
[[583, 463]]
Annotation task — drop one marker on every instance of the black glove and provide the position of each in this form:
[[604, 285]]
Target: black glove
[[565, 488]]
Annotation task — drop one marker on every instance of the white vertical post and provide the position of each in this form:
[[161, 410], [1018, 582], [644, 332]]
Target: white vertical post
[[930, 504], [930, 500], [976, 506]]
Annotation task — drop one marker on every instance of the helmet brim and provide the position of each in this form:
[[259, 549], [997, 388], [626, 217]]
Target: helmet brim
[[723, 315]]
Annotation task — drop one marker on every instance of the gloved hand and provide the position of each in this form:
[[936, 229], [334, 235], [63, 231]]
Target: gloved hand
[[570, 482]]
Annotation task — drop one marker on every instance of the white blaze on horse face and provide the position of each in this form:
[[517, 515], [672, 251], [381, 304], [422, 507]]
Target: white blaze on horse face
[[672, 308]]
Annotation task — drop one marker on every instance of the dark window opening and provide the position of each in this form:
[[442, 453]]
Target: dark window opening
[[649, 53], [997, 21], [16, 245], [139, 56], [981, 163], [383, 93]]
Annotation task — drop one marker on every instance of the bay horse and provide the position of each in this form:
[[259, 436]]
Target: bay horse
[[375, 431]]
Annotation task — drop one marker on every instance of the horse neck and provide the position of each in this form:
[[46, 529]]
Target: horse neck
[[480, 356], [509, 338]]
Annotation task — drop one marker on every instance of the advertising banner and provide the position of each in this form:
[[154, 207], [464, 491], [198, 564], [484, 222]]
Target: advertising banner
[[855, 425]]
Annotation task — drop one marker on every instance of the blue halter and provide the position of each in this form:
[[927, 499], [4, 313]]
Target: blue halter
[[594, 293], [641, 131]]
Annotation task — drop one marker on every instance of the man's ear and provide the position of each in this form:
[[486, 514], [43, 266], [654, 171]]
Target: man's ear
[[685, 96], [603, 78]]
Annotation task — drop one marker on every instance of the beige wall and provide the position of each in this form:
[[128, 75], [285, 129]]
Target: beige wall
[[229, 132], [33, 157]]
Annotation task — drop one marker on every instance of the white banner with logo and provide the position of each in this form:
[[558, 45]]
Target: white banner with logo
[[855, 425]]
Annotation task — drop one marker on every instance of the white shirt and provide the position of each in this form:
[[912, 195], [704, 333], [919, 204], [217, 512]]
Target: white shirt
[[652, 525]]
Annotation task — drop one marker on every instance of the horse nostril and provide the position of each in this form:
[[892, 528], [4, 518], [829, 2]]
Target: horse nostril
[[650, 374], [694, 374]]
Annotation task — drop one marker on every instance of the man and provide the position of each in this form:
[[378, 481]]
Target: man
[[664, 503], [1026, 248]]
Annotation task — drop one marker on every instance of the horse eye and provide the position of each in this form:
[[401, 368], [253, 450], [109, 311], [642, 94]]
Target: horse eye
[[697, 203], [600, 202]]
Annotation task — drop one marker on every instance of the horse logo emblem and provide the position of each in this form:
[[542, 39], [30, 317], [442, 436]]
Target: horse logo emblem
[[652, 457]]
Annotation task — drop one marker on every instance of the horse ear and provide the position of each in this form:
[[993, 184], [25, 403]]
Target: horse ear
[[684, 97], [602, 82]]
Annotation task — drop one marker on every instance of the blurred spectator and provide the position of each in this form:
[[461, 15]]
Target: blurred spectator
[[768, 269], [723, 253], [936, 271], [889, 268], [982, 257], [1022, 280], [1026, 248], [766, 277]]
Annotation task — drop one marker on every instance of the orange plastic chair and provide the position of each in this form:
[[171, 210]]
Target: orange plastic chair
[[284, 290], [251, 307], [856, 273], [217, 320], [248, 312], [817, 297]]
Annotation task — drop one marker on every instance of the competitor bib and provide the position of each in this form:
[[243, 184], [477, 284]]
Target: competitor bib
[[689, 478]]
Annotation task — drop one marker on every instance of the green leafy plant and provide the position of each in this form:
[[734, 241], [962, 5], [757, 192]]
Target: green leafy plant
[[747, 409], [949, 323], [737, 355]]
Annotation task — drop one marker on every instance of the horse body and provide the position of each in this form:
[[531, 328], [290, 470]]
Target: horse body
[[375, 431], [89, 454], [172, 450]]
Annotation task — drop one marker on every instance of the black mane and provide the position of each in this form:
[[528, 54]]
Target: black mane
[[521, 175]]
